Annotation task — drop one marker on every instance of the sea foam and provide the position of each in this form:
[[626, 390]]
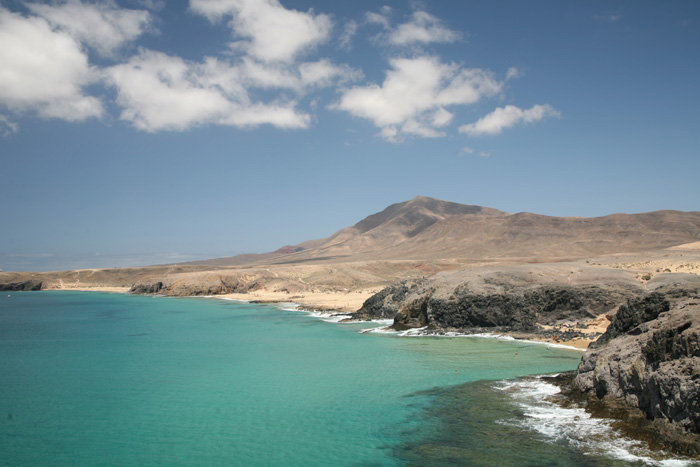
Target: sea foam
[[575, 426]]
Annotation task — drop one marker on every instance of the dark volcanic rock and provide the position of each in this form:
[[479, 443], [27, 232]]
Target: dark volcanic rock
[[205, 285], [483, 311], [650, 360], [413, 314], [416, 304], [146, 288], [386, 303], [33, 284], [636, 312]]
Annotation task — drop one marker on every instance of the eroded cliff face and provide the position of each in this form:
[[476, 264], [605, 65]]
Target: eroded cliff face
[[422, 303], [205, 285], [33, 284], [649, 359]]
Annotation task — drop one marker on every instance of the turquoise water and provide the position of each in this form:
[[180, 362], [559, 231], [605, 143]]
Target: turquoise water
[[113, 380]]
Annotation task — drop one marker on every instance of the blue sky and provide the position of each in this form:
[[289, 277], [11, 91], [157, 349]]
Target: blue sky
[[146, 132]]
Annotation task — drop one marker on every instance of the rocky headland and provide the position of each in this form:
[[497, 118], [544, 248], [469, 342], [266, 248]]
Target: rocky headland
[[645, 370], [22, 285], [540, 299]]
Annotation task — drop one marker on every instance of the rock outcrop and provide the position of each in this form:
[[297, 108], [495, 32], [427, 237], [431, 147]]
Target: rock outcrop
[[152, 288], [515, 301], [212, 284], [33, 284], [649, 359]]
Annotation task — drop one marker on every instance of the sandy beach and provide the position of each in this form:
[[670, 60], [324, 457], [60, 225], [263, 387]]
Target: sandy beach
[[95, 288], [347, 302]]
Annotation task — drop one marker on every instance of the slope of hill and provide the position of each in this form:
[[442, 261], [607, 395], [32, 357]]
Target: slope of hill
[[417, 238], [430, 229]]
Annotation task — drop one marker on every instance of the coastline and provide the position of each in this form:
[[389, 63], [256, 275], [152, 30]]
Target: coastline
[[341, 302], [96, 288], [347, 302], [350, 302]]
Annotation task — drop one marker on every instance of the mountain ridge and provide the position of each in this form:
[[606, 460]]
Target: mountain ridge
[[427, 229]]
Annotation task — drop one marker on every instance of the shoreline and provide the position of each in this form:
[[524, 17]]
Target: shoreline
[[96, 288], [350, 302], [342, 303]]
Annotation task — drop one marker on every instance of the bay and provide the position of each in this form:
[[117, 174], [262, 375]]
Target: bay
[[111, 380]]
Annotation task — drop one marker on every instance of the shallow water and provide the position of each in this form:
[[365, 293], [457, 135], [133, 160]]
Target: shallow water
[[113, 380]]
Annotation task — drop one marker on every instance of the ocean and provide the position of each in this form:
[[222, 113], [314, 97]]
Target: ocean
[[96, 379]]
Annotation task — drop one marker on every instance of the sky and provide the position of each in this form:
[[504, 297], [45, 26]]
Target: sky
[[138, 132]]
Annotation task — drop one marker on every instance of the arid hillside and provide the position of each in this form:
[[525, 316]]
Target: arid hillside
[[416, 238], [430, 229]]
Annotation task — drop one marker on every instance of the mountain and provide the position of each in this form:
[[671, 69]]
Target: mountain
[[429, 229]]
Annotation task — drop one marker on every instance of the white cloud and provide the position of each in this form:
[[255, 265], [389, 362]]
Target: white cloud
[[513, 73], [441, 117], [161, 92], [467, 150], [423, 28], [608, 18], [7, 126], [298, 78], [283, 116], [349, 31], [102, 26], [414, 95], [379, 18], [153, 5], [43, 70], [506, 117], [324, 73], [270, 31]]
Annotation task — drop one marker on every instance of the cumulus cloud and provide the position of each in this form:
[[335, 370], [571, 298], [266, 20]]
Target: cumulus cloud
[[506, 117], [299, 78], [43, 70], [414, 96], [102, 26], [161, 92], [270, 32], [423, 28]]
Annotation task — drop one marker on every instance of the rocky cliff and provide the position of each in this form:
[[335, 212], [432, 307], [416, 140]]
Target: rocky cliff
[[414, 305], [649, 359], [517, 299], [32, 284], [646, 366]]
